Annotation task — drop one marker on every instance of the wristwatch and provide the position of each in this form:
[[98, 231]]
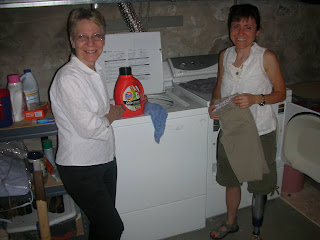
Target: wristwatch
[[263, 100]]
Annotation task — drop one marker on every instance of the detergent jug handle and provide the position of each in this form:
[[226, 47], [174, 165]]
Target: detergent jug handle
[[22, 77], [141, 92]]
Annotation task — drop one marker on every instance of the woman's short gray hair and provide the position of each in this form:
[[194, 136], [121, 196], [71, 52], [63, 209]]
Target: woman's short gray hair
[[79, 14]]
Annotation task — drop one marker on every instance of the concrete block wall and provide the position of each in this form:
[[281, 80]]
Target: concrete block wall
[[36, 38]]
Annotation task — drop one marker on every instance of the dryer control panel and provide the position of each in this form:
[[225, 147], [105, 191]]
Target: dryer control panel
[[193, 67]]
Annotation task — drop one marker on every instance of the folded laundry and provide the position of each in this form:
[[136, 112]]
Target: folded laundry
[[159, 117]]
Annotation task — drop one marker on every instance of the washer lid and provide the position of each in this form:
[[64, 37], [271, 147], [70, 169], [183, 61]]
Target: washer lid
[[301, 144], [139, 50]]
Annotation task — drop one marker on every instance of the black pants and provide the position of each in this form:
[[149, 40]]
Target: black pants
[[93, 188]]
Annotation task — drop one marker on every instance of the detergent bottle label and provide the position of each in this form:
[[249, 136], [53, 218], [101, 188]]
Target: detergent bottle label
[[131, 98]]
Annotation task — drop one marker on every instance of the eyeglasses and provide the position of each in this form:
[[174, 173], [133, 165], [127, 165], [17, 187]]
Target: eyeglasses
[[95, 38]]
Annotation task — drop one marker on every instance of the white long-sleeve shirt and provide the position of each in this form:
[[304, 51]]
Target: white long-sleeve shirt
[[79, 102]]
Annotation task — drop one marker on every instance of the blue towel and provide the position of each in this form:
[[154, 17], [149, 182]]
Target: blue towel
[[158, 116]]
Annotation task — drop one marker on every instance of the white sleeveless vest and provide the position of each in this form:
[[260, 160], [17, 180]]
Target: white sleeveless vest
[[251, 78]]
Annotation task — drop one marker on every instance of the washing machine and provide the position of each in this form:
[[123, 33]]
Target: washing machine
[[196, 76], [161, 188]]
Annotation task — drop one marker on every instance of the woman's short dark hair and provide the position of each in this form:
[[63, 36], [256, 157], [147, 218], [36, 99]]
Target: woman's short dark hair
[[238, 12], [79, 14]]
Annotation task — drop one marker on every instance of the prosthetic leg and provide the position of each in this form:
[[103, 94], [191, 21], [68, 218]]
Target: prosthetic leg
[[258, 204]]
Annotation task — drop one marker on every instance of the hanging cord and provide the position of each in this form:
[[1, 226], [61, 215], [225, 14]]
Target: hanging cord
[[147, 18], [140, 11]]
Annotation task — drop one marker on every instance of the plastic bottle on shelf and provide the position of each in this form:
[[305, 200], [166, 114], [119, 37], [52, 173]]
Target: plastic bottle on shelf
[[16, 97], [49, 155], [48, 151], [35, 160], [5, 109], [129, 92], [30, 88]]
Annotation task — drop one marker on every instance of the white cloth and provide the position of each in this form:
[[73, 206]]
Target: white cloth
[[251, 78], [80, 101]]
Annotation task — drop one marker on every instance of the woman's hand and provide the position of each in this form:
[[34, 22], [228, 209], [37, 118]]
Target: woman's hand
[[145, 99], [115, 112], [244, 100], [210, 110]]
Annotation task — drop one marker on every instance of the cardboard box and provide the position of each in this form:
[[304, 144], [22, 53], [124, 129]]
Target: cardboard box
[[37, 111]]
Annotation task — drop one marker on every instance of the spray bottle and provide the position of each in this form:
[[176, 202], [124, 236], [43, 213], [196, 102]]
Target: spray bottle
[[49, 159], [129, 92]]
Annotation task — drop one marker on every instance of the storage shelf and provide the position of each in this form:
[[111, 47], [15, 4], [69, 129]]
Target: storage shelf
[[12, 134], [28, 129], [29, 222]]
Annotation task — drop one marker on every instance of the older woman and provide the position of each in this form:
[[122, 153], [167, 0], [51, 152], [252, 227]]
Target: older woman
[[83, 113], [254, 73]]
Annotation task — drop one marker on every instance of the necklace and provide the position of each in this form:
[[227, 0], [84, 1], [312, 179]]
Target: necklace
[[239, 69]]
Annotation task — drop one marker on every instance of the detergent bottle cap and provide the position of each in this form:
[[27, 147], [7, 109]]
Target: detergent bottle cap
[[13, 78], [26, 70], [125, 71]]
